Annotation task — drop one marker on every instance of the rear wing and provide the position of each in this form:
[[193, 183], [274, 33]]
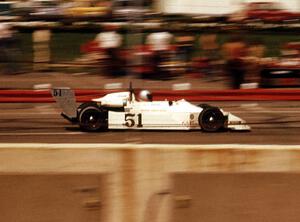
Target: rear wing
[[65, 98]]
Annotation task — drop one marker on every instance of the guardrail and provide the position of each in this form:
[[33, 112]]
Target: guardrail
[[44, 96]]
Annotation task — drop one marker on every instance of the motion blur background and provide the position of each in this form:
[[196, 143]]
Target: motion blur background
[[201, 49], [160, 40]]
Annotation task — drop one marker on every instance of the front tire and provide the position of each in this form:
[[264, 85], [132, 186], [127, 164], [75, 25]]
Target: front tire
[[211, 119], [92, 118]]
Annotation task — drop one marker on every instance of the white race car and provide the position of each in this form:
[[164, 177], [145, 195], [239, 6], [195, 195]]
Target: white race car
[[122, 110]]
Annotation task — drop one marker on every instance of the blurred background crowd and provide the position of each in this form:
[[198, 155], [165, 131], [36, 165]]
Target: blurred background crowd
[[246, 43]]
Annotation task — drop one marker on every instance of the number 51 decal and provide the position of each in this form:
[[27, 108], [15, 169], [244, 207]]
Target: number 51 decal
[[57, 92], [130, 120]]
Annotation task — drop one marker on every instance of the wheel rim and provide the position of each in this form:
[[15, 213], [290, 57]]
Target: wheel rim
[[91, 120], [212, 120]]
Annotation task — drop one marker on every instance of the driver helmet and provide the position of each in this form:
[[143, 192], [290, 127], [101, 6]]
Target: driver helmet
[[145, 95]]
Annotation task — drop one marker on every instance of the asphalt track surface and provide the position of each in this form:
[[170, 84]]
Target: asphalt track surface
[[271, 122]]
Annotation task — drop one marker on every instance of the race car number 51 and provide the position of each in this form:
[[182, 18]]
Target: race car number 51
[[130, 120], [57, 92]]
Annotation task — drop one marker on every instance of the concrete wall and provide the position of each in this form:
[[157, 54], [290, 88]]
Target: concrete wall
[[139, 175]]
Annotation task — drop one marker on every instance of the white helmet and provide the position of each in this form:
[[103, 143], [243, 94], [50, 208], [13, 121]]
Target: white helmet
[[145, 95]]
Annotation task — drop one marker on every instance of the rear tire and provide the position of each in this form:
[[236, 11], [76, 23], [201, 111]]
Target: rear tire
[[92, 118], [211, 119]]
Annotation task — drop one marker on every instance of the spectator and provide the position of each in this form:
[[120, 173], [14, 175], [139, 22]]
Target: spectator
[[211, 53], [160, 45], [110, 41], [185, 48], [255, 54], [209, 46], [159, 41], [234, 53], [41, 49], [7, 49]]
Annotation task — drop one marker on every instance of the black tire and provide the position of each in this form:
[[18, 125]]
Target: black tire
[[92, 118], [84, 105], [211, 119]]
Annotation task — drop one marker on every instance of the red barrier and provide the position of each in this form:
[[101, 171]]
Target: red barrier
[[46, 93], [44, 96]]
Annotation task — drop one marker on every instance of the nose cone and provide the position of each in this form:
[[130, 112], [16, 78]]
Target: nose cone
[[236, 123]]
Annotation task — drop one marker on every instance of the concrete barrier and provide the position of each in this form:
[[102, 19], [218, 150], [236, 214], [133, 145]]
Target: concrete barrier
[[139, 172]]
